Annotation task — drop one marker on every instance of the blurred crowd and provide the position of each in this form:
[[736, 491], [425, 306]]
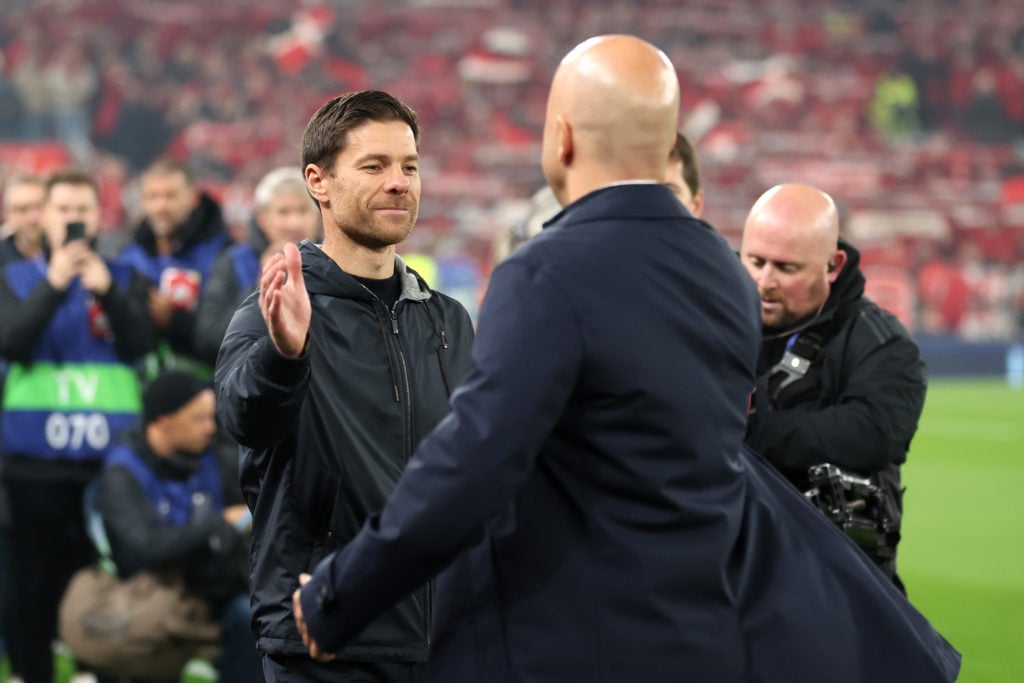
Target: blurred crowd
[[910, 113]]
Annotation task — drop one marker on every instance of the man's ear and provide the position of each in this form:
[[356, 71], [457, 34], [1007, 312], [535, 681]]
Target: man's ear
[[698, 204], [315, 182], [565, 141], [835, 265]]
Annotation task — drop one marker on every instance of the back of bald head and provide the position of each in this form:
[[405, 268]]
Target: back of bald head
[[797, 211], [620, 95]]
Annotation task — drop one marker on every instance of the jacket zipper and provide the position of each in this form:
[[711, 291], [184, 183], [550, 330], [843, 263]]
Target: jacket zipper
[[405, 383], [429, 609]]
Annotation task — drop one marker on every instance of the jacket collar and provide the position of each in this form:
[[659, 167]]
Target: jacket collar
[[623, 201], [205, 222], [323, 276]]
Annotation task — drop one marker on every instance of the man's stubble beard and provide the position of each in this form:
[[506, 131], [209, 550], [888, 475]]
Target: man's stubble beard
[[376, 238]]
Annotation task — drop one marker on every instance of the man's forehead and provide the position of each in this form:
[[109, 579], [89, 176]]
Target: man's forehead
[[67, 191], [25, 192]]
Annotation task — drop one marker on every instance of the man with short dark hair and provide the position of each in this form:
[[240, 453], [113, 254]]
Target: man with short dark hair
[[71, 326], [684, 175], [330, 375]]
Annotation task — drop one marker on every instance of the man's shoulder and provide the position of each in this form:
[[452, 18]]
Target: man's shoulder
[[872, 326], [9, 252], [134, 252], [23, 272]]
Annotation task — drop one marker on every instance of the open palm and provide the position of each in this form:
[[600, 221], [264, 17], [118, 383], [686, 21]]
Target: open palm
[[284, 301]]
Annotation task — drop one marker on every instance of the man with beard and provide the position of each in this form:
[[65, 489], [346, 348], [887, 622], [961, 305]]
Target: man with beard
[[329, 389], [175, 246], [840, 380]]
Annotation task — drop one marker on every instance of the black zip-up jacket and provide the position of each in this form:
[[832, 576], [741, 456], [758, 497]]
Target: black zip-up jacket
[[859, 404], [324, 437]]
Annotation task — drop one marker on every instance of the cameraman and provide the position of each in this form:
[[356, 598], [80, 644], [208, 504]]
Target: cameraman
[[839, 379]]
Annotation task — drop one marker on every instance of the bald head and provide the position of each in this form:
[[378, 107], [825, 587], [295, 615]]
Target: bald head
[[801, 211], [612, 115], [790, 248]]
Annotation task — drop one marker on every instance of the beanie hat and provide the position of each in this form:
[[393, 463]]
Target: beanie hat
[[169, 393]]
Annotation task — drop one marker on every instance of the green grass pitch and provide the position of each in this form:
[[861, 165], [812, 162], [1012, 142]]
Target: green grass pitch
[[962, 553]]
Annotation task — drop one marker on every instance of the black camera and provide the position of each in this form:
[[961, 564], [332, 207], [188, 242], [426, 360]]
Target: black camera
[[860, 506]]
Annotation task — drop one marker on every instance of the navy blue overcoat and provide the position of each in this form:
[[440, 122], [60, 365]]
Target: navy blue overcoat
[[588, 504]]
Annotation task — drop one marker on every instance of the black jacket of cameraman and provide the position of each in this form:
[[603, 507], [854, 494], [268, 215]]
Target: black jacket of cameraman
[[860, 401]]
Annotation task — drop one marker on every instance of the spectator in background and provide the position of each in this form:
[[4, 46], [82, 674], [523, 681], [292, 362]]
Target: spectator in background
[[175, 246], [985, 118], [283, 213], [684, 175], [139, 131], [71, 81], [70, 326], [22, 229], [839, 379], [894, 108], [33, 94], [329, 399], [923, 63], [22, 233], [159, 497]]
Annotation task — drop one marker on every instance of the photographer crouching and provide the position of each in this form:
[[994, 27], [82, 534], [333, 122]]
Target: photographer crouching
[[841, 384]]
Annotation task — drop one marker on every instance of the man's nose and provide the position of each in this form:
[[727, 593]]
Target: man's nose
[[397, 182], [766, 278]]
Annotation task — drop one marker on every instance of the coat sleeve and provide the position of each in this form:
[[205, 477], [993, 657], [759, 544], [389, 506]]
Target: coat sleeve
[[217, 303], [22, 322], [526, 362], [135, 333], [259, 391], [871, 420], [138, 539]]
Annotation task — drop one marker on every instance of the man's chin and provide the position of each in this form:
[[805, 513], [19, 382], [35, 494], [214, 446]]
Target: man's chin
[[382, 237]]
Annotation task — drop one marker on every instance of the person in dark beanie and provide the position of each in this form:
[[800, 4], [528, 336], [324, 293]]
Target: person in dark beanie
[[159, 496]]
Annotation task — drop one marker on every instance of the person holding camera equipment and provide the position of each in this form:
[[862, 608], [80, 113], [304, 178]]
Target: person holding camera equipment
[[71, 324], [841, 384]]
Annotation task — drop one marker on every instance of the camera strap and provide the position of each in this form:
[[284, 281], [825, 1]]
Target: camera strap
[[804, 349]]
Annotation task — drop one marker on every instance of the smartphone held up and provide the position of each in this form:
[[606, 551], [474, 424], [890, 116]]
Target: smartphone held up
[[75, 231]]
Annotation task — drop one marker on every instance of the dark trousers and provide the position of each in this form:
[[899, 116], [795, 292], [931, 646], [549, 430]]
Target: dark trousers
[[302, 669], [238, 661], [8, 627], [48, 544]]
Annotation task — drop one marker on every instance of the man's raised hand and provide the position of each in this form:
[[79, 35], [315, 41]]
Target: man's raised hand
[[284, 302]]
